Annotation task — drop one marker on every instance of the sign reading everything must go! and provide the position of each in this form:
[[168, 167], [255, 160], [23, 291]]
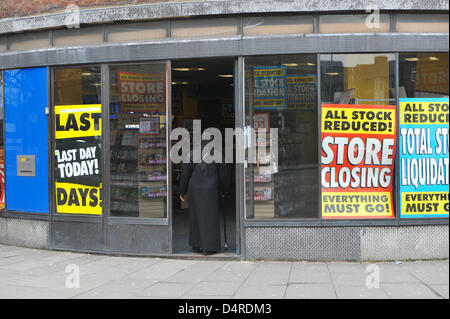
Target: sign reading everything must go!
[[423, 158], [358, 155], [78, 184]]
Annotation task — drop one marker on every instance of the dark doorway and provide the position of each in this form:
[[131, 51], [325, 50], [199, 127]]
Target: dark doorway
[[203, 89]]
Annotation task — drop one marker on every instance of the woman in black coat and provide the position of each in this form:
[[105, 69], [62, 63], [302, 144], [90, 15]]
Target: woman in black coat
[[204, 183]]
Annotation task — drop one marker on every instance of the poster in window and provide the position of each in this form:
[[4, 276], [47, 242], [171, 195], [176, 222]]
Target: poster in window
[[423, 158], [358, 152], [270, 87], [301, 91], [78, 170], [150, 126], [142, 92]]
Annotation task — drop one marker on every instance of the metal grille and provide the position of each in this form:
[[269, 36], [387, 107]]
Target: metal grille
[[411, 242], [348, 243], [325, 243], [24, 232]]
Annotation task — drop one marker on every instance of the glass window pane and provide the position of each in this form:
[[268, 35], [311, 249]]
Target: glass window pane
[[29, 41], [277, 25], [138, 126], [422, 23], [423, 75], [281, 94], [358, 79], [2, 146], [78, 140], [188, 28], [353, 23], [74, 36], [137, 32]]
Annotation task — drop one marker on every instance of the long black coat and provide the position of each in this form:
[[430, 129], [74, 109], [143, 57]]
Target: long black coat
[[203, 183]]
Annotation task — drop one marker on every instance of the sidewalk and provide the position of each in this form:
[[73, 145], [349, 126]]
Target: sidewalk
[[31, 273]]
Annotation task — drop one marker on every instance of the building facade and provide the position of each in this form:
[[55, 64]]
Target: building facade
[[355, 91]]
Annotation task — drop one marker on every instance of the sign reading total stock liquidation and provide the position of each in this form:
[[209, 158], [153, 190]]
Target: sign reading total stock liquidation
[[423, 158], [78, 182], [358, 152]]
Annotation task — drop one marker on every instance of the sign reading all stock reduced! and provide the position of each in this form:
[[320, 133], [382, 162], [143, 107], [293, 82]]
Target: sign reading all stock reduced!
[[78, 183], [424, 167], [358, 151]]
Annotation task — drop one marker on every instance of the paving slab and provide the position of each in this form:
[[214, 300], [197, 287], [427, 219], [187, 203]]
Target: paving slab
[[166, 290], [309, 276], [442, 290], [260, 291], [408, 291], [359, 292], [310, 291], [214, 289]]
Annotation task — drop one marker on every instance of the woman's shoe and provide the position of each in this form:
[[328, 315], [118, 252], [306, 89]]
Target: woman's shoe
[[196, 249], [208, 252]]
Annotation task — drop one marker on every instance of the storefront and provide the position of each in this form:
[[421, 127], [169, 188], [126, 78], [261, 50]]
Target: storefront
[[355, 163]]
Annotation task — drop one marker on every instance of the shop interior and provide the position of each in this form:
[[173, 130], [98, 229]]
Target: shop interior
[[203, 89]]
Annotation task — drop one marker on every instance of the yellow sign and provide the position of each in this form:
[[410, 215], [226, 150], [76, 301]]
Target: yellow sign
[[424, 112], [78, 199], [72, 121], [424, 203], [356, 205]]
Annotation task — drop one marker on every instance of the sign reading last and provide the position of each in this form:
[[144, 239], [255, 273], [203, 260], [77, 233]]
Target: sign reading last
[[72, 121]]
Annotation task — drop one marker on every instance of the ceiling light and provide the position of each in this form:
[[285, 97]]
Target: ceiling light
[[290, 64], [225, 75], [86, 74], [412, 59], [180, 83], [433, 58], [181, 69], [310, 64], [332, 73], [200, 69]]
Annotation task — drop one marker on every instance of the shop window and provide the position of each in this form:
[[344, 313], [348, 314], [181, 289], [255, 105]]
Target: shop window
[[422, 23], [2, 146], [423, 75], [281, 97], [191, 28], [130, 32], [81, 36], [138, 130], [358, 136], [29, 41], [78, 140], [362, 23], [256, 26], [358, 79]]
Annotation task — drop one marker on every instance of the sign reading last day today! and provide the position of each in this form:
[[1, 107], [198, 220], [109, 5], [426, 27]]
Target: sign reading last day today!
[[358, 151], [78, 159], [424, 167]]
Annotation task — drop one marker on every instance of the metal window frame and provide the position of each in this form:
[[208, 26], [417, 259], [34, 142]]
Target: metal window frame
[[112, 220]]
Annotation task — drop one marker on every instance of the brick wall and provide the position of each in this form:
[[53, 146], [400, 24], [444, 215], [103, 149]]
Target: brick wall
[[20, 8]]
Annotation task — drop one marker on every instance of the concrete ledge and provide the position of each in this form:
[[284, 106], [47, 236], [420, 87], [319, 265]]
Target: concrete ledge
[[216, 7]]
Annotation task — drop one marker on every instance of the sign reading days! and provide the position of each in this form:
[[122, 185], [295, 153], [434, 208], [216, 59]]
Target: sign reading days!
[[358, 151], [78, 159], [424, 167]]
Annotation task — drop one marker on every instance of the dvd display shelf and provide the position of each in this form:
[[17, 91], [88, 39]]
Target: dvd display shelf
[[152, 162]]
